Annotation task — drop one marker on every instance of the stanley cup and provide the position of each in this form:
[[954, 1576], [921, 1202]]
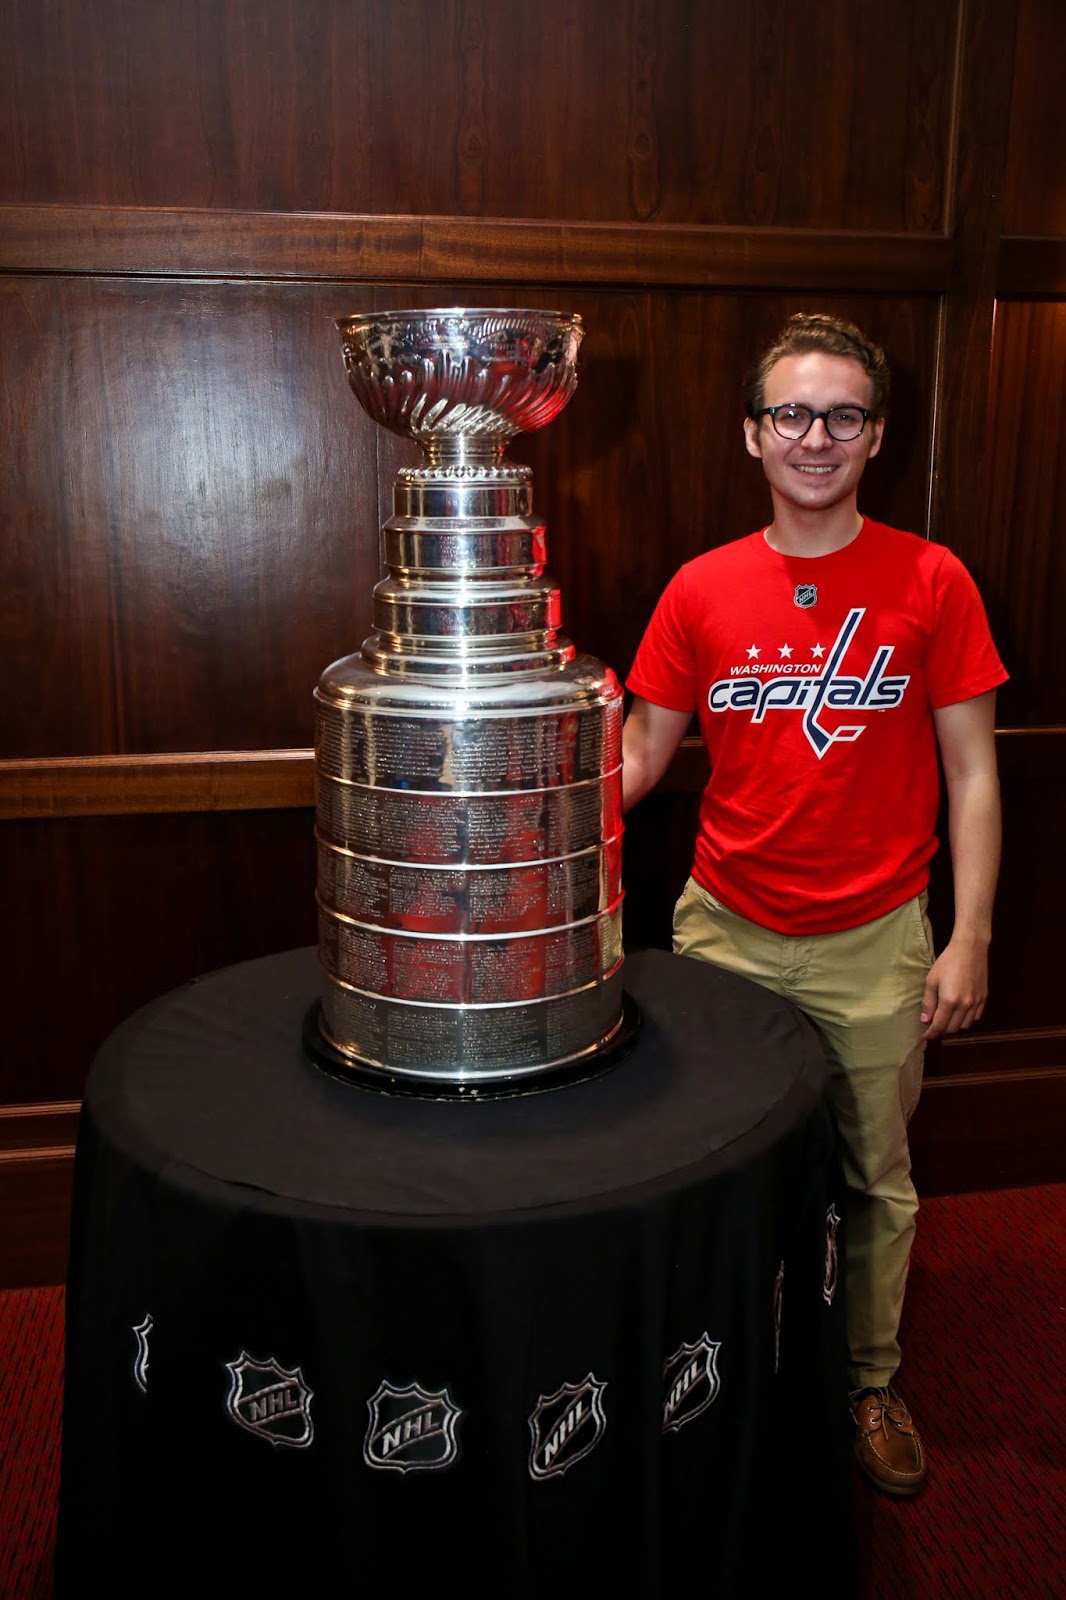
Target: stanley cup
[[468, 759]]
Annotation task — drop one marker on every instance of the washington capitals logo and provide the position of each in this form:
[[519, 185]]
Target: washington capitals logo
[[565, 1426], [270, 1401], [691, 1381], [814, 688]]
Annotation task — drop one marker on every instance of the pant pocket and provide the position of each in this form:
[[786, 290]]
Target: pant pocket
[[705, 896], [693, 913], [921, 929]]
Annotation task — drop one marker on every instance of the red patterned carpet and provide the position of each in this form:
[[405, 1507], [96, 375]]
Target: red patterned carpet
[[983, 1374], [984, 1357], [31, 1403]]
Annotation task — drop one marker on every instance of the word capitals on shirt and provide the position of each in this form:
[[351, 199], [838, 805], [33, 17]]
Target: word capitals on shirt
[[812, 688]]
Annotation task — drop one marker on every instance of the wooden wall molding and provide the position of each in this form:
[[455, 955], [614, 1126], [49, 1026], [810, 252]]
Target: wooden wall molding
[[47, 1130], [1031, 755], [36, 1172], [174, 243], [196, 780]]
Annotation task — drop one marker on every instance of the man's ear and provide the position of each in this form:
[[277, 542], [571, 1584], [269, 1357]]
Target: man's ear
[[878, 430], [751, 437]]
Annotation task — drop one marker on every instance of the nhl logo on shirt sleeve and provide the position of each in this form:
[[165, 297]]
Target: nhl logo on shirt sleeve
[[411, 1429], [690, 1382], [271, 1401], [806, 595], [566, 1426]]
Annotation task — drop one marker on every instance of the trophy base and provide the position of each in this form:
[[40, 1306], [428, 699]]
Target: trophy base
[[500, 1085]]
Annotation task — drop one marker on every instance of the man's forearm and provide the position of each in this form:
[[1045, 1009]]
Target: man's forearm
[[957, 986], [974, 831], [638, 779], [650, 737]]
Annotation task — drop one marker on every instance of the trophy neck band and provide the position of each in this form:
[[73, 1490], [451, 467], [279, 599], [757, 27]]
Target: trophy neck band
[[457, 450], [436, 495]]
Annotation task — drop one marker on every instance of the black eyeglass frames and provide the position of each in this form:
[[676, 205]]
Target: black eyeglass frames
[[794, 421]]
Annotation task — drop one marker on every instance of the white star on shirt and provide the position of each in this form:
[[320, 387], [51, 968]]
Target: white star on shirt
[[785, 651], [818, 652], [753, 653]]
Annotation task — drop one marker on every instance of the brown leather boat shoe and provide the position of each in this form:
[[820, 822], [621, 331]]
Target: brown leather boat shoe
[[887, 1446]]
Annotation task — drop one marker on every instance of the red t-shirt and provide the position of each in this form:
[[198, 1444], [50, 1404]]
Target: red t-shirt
[[815, 679]]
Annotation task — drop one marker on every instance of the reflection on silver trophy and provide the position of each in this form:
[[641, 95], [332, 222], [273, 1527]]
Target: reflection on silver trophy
[[468, 759]]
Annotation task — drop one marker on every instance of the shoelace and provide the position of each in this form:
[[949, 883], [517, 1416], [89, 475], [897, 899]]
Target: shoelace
[[891, 1406], [896, 1411]]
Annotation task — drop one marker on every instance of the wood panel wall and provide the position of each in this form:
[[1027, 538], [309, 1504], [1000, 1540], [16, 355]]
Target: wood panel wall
[[190, 499]]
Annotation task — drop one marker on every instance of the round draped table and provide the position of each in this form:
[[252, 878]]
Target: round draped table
[[585, 1341]]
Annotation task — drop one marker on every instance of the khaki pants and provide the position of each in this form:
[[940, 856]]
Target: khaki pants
[[862, 990]]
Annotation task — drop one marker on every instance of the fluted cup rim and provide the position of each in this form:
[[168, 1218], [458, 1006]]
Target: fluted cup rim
[[462, 372]]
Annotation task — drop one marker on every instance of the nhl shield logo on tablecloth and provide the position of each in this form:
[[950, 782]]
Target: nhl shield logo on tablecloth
[[270, 1401], [141, 1330], [411, 1429], [806, 595], [565, 1426], [829, 1282], [691, 1382]]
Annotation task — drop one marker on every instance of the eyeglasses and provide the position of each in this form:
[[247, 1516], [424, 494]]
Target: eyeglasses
[[794, 422]]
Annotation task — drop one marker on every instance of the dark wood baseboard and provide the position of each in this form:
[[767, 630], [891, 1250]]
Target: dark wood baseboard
[[994, 1130]]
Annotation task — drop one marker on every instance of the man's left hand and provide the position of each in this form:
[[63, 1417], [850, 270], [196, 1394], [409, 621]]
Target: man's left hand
[[956, 989]]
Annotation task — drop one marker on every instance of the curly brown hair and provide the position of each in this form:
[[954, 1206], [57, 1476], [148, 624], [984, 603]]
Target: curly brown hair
[[816, 330]]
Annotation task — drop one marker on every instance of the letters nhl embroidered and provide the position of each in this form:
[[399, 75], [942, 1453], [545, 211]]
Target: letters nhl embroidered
[[690, 1381], [411, 1429], [806, 595], [565, 1426], [271, 1401]]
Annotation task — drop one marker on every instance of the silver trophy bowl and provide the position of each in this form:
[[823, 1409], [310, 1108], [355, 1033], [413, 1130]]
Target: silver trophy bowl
[[468, 758], [462, 382]]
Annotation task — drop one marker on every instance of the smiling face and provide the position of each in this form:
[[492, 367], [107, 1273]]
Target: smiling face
[[815, 473]]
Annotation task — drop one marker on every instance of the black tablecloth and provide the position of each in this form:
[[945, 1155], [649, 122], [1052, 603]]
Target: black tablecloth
[[582, 1341]]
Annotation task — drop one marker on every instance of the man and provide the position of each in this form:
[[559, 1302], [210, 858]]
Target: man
[[829, 657]]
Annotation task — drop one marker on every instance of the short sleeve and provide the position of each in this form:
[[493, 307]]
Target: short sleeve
[[664, 670], [962, 660]]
